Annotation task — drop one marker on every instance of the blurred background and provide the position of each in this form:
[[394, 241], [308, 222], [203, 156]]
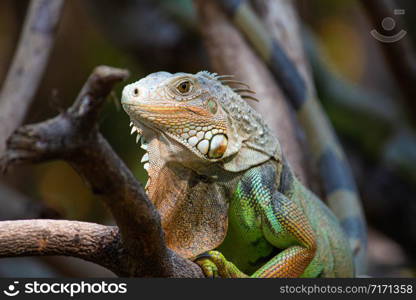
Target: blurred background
[[361, 94]]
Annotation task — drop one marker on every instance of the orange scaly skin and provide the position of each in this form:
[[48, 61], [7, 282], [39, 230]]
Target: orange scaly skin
[[219, 181]]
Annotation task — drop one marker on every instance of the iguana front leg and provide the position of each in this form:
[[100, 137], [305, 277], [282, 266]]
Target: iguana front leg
[[214, 265], [283, 225]]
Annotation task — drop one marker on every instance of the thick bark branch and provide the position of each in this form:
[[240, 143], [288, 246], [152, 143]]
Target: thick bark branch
[[28, 64], [73, 136], [96, 243], [92, 242], [231, 54], [282, 21]]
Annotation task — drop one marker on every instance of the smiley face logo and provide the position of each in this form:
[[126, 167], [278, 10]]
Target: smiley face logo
[[11, 290], [389, 24]]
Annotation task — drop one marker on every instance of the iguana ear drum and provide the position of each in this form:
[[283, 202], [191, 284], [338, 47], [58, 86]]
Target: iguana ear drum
[[217, 146]]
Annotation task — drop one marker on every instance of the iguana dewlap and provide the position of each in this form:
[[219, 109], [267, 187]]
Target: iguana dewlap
[[220, 181]]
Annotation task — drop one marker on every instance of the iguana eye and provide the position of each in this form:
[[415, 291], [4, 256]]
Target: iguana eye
[[212, 106], [184, 87]]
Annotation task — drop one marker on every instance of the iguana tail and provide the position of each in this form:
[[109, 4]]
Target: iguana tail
[[338, 183]]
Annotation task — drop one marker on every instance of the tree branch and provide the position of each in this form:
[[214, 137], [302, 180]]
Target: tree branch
[[96, 243], [230, 54], [73, 136], [28, 64], [92, 242]]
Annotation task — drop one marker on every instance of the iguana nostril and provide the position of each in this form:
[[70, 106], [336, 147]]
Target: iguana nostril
[[136, 92]]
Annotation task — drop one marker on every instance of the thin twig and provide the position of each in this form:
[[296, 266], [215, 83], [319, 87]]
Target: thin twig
[[28, 64]]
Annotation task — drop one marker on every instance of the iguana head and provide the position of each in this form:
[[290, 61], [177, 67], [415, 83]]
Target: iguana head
[[192, 125], [201, 120]]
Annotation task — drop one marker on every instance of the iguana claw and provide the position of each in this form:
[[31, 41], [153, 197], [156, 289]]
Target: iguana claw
[[215, 265], [208, 267]]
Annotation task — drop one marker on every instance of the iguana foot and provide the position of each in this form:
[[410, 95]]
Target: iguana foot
[[214, 265]]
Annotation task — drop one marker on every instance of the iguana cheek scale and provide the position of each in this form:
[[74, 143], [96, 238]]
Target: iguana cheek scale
[[226, 196]]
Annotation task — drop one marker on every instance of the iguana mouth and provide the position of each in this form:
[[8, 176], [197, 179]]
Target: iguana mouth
[[188, 125], [144, 145]]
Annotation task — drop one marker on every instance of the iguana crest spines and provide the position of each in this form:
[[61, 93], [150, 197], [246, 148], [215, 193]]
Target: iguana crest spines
[[204, 115]]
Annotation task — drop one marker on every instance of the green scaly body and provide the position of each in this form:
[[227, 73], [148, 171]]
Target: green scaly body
[[264, 215], [226, 196], [338, 184]]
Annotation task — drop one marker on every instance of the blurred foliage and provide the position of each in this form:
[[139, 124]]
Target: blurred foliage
[[62, 189], [337, 36]]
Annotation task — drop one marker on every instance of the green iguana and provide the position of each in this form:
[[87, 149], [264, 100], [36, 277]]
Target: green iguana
[[220, 181], [325, 152]]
